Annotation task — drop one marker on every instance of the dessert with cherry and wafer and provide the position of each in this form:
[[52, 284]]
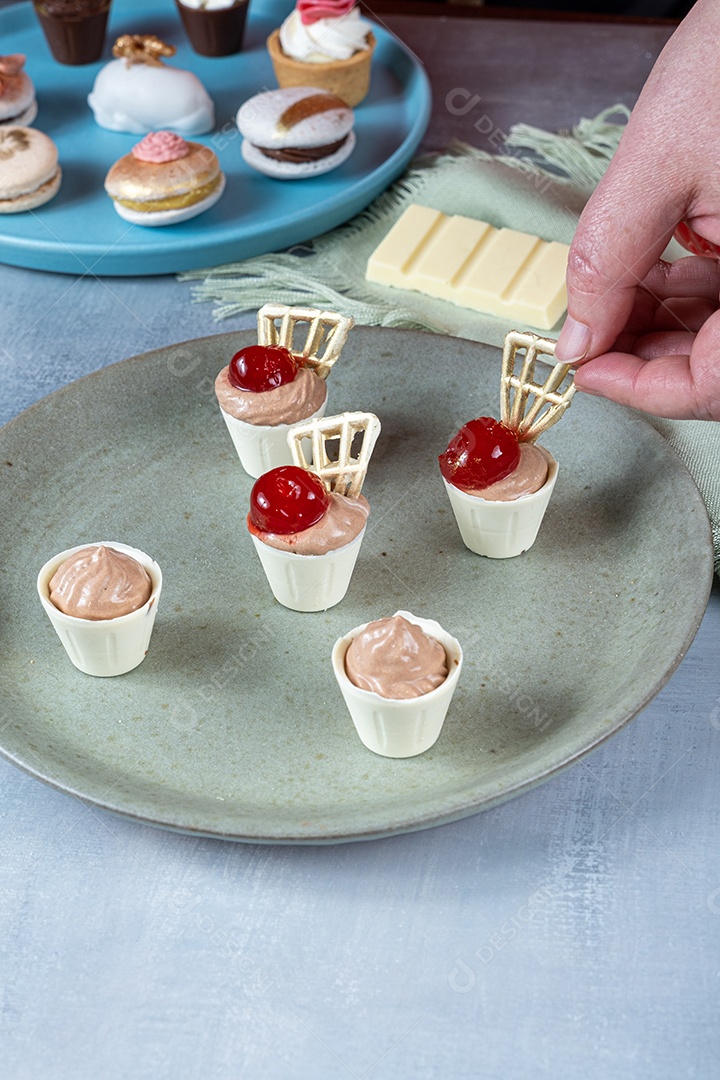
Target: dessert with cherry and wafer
[[280, 381], [498, 480], [307, 520]]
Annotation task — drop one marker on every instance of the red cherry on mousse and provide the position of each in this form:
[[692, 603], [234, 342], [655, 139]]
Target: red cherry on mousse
[[483, 452], [262, 367], [287, 500]]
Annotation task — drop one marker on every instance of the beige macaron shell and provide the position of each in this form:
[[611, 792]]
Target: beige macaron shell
[[24, 119], [28, 168], [144, 181], [33, 199]]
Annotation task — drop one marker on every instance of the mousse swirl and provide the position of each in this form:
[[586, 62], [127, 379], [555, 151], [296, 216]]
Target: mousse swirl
[[395, 658], [527, 478], [285, 404], [342, 522], [99, 582]]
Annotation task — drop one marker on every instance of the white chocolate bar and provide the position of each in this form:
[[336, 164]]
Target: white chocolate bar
[[511, 274]]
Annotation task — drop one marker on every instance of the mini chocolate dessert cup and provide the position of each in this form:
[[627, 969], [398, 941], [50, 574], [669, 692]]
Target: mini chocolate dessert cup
[[218, 32], [74, 29], [109, 646]]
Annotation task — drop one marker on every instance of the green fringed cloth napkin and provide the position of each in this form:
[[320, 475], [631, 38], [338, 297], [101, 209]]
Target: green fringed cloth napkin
[[537, 183]]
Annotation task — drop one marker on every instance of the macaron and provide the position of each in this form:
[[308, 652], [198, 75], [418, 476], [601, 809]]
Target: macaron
[[296, 132], [18, 106], [29, 170], [165, 180]]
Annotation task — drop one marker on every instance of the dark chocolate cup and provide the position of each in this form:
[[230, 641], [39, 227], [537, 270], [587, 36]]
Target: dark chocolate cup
[[73, 39], [215, 33]]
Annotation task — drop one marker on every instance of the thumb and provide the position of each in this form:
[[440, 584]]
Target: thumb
[[621, 233]]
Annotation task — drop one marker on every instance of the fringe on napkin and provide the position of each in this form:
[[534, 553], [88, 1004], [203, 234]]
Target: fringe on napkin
[[329, 270]]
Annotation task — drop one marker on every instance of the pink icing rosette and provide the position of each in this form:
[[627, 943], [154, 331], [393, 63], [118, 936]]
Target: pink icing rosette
[[159, 147], [311, 11]]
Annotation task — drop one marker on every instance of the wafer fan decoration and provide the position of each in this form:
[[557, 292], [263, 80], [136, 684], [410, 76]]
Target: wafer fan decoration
[[346, 474], [529, 407], [325, 333]]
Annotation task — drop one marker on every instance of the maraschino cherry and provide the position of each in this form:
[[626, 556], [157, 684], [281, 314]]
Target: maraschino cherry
[[287, 500], [262, 367], [483, 452]]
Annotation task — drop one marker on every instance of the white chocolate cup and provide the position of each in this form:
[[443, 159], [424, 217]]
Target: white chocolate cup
[[309, 582], [262, 447], [501, 530], [392, 727], [108, 646]]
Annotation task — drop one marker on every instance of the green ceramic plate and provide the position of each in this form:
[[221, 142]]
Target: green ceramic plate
[[233, 726]]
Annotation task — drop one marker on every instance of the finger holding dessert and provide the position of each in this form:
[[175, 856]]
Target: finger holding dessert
[[270, 386], [307, 522], [498, 482]]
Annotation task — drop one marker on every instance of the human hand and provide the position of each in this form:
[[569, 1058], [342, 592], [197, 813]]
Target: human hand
[[644, 332]]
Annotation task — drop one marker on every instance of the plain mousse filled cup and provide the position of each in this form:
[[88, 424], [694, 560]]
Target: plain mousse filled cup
[[102, 600], [398, 676]]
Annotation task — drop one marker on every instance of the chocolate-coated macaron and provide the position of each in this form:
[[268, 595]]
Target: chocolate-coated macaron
[[165, 180], [29, 170], [296, 132]]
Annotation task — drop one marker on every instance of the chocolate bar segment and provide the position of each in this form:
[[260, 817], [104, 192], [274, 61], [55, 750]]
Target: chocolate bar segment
[[514, 275]]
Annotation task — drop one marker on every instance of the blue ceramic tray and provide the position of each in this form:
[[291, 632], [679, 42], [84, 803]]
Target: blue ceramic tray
[[79, 231]]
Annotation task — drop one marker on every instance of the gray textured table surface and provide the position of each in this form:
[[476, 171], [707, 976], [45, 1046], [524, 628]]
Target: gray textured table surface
[[572, 932]]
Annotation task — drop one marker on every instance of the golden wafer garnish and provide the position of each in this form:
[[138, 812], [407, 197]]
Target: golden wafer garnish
[[316, 336], [142, 49], [529, 407], [346, 473]]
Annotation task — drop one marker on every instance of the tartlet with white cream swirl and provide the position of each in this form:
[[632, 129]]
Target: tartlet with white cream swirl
[[327, 44]]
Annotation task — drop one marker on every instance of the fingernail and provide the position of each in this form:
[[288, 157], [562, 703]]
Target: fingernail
[[574, 341]]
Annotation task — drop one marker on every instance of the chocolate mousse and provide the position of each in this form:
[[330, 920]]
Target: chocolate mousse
[[343, 520], [396, 659], [99, 583], [283, 404]]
